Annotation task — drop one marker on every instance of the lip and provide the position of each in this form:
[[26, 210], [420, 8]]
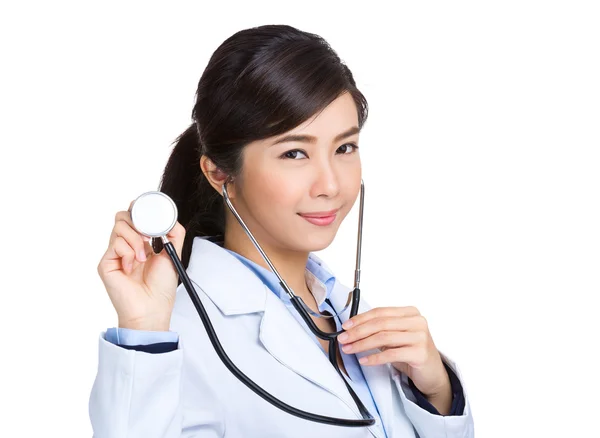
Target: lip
[[319, 214], [320, 218]]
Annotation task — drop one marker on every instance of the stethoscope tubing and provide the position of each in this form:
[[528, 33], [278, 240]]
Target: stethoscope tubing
[[236, 371]]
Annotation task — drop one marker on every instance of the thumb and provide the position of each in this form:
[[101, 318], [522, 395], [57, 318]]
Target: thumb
[[176, 237]]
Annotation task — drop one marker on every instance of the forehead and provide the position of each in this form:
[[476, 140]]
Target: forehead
[[337, 117]]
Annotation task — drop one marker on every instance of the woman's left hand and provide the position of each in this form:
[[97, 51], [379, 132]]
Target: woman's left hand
[[402, 334]]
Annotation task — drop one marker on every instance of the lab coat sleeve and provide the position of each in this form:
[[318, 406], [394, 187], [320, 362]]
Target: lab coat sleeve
[[138, 395], [429, 425]]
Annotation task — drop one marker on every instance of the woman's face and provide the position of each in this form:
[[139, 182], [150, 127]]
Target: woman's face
[[293, 194]]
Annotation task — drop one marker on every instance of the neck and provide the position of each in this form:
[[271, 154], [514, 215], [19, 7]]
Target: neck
[[290, 264]]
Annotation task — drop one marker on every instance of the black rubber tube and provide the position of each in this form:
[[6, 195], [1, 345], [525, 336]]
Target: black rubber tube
[[241, 376]]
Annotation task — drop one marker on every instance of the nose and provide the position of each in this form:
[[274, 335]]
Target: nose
[[326, 180]]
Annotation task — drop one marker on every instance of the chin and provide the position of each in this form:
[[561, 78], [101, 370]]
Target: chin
[[316, 241]]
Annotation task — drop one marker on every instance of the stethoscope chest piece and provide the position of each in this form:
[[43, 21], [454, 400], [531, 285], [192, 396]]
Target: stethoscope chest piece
[[153, 214]]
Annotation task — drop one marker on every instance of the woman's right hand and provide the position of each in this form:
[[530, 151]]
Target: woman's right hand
[[141, 284]]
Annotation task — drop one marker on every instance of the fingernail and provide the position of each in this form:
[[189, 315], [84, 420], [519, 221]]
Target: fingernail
[[141, 255], [347, 324], [343, 337], [363, 360]]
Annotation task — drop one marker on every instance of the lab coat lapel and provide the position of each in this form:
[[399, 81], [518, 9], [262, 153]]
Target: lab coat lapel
[[281, 335], [287, 341], [241, 293]]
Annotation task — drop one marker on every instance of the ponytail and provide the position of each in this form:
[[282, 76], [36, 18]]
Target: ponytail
[[199, 206]]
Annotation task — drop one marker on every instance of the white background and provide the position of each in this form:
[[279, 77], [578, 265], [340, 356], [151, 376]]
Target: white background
[[481, 163]]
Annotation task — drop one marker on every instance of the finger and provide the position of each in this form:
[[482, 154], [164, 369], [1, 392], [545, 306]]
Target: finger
[[122, 254], [134, 239], [121, 216], [124, 216], [177, 236], [147, 247], [384, 340], [411, 355], [375, 325], [380, 312]]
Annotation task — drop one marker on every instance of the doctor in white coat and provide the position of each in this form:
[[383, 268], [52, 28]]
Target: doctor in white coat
[[278, 117]]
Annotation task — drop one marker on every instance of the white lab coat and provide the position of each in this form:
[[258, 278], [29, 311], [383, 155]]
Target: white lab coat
[[190, 393]]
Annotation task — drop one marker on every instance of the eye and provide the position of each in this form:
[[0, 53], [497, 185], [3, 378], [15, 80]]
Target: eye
[[294, 154], [348, 148]]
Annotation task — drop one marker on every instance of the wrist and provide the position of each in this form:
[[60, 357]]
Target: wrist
[[147, 324], [442, 398]]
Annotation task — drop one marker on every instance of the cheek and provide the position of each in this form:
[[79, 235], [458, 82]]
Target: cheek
[[276, 192], [351, 190]]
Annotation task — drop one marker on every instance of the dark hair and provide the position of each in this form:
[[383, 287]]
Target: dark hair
[[260, 82]]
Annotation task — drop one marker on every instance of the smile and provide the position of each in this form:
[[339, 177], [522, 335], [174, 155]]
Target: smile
[[320, 218]]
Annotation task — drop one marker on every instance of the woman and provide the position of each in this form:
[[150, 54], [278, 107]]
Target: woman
[[277, 118]]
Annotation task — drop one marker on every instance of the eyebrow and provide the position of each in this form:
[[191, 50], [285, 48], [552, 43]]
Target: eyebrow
[[304, 138]]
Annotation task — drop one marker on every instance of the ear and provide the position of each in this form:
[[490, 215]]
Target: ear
[[215, 176]]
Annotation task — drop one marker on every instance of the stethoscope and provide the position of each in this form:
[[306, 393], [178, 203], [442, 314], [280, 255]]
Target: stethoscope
[[154, 214]]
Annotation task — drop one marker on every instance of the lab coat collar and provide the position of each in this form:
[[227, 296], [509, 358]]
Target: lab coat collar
[[318, 279], [241, 293], [245, 292], [281, 335]]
